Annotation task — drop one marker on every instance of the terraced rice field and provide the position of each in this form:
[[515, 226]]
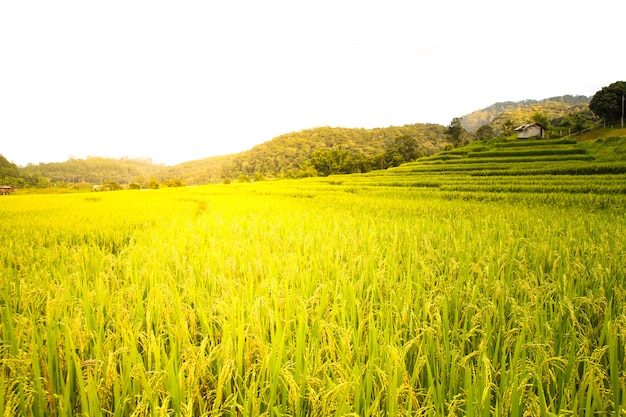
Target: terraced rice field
[[457, 287]]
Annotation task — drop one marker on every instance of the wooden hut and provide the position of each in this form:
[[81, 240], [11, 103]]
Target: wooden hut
[[530, 130], [6, 189]]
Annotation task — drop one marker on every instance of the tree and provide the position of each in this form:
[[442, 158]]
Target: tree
[[407, 147], [307, 169], [43, 182], [507, 128], [176, 182], [404, 149], [485, 132], [110, 185], [455, 132], [542, 119], [331, 161], [7, 170], [578, 121], [152, 183], [607, 103]]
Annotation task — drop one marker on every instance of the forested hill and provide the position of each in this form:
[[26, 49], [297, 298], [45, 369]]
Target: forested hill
[[86, 172], [7, 168], [318, 151], [520, 112], [310, 152], [321, 150]]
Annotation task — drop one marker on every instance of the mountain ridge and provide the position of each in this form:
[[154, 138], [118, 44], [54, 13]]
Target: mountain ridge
[[520, 111], [290, 154]]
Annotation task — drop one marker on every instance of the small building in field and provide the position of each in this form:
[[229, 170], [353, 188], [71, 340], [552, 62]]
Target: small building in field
[[6, 189], [530, 130]]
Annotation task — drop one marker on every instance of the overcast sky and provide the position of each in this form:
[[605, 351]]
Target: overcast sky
[[178, 80]]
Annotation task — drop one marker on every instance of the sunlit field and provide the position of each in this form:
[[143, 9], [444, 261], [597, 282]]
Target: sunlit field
[[389, 294]]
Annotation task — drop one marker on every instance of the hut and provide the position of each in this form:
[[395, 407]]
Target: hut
[[6, 189], [530, 130]]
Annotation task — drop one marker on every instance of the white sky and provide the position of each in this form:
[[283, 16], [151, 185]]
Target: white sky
[[177, 80]]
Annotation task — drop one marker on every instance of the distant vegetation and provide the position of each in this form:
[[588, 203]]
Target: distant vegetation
[[81, 173], [311, 152], [318, 151], [324, 151], [608, 103], [571, 113]]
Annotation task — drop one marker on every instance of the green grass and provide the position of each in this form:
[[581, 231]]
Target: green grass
[[412, 291]]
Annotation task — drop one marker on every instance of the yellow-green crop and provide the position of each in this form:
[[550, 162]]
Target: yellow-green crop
[[327, 297]]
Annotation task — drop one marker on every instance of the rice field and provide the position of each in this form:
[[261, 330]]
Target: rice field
[[407, 292]]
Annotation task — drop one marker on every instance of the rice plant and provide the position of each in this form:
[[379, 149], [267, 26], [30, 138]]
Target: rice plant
[[312, 298]]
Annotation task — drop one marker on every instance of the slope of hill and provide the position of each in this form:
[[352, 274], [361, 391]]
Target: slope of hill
[[93, 170], [562, 172], [290, 154], [201, 171], [555, 109], [8, 171], [298, 154]]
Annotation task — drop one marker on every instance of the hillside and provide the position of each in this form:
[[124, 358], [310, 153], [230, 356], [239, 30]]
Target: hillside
[[91, 170], [312, 152], [556, 109], [561, 172], [290, 154], [8, 171]]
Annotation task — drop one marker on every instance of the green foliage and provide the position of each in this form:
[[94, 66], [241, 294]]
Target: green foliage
[[9, 172], [485, 132], [43, 182], [319, 151], [506, 116], [286, 156], [94, 170], [176, 182], [456, 132], [109, 186], [577, 121], [307, 169], [152, 183], [541, 118], [607, 103], [404, 149], [243, 178], [331, 161]]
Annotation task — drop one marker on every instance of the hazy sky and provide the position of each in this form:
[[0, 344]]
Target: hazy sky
[[180, 80]]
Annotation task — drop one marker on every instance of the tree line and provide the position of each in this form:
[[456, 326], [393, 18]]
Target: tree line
[[318, 151], [326, 150]]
